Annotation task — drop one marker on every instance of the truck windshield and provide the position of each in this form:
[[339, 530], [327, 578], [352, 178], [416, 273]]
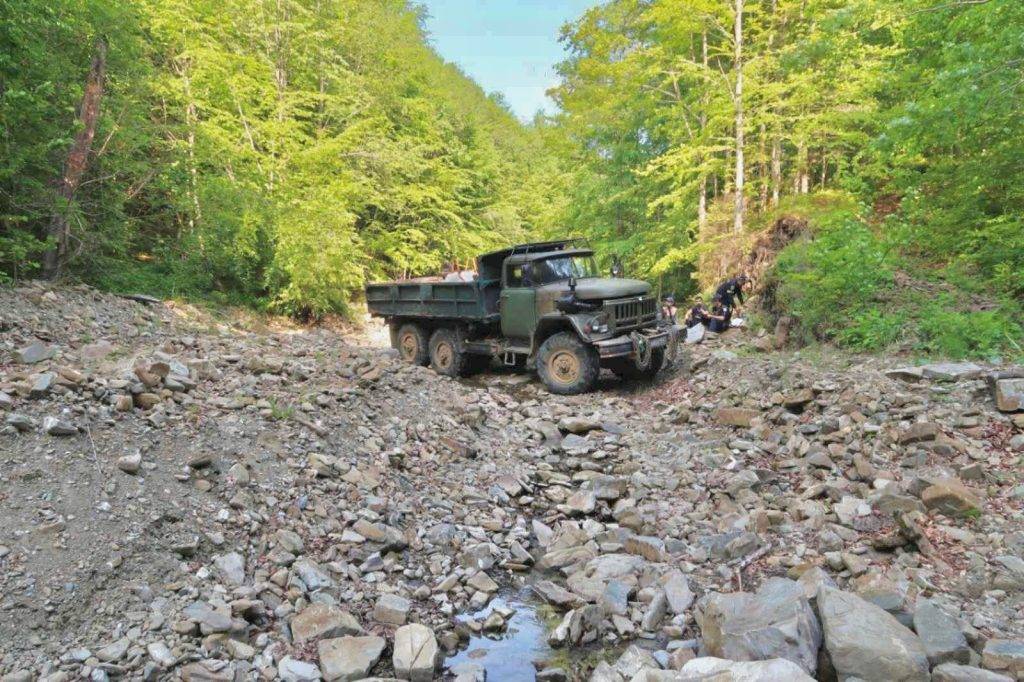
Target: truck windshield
[[562, 268]]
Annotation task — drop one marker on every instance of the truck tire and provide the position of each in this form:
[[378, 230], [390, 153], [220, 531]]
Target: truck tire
[[446, 354], [626, 369], [411, 343], [566, 365]]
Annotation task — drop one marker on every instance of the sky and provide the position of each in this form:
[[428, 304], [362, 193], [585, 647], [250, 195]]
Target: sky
[[507, 46]]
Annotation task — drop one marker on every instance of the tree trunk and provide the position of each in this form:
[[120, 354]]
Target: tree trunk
[[762, 170], [737, 224], [702, 198], [76, 163], [776, 171], [802, 180]]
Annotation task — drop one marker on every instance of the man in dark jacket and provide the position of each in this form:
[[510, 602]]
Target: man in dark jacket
[[730, 291]]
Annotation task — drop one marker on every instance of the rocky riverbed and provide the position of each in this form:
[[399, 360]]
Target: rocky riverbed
[[198, 496]]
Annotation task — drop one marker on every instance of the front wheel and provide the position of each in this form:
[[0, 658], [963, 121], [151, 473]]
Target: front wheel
[[566, 365], [626, 368], [446, 354]]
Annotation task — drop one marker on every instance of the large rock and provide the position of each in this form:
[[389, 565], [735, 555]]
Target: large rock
[[951, 498], [37, 352], [323, 620], [776, 622], [1009, 395], [293, 670], [391, 609], [919, 432], [863, 641], [349, 658], [942, 639], [230, 568], [719, 670], [1004, 655], [416, 651], [952, 371], [736, 416], [954, 672]]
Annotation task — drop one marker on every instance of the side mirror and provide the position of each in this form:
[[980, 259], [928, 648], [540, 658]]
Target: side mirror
[[572, 284], [616, 266]]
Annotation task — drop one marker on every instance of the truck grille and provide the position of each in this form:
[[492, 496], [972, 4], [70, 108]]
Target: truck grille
[[631, 313]]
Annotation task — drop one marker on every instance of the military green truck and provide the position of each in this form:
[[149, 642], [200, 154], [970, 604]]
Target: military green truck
[[542, 304]]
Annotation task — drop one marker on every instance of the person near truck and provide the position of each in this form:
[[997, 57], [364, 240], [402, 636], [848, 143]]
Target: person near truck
[[669, 311], [727, 295], [698, 314]]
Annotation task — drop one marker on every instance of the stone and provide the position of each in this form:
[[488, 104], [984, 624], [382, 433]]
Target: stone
[[633, 660], [349, 658], [482, 583], [115, 651], [719, 670], [1009, 395], [942, 639], [468, 671], [677, 591], [798, 399], [130, 464], [736, 416], [41, 385], [556, 595], [655, 612], [579, 425], [1004, 655], [581, 503], [55, 427], [864, 641], [650, 548], [919, 432], [416, 653], [954, 672], [950, 497], [323, 620], [952, 371], [391, 609], [231, 568], [36, 352], [293, 670], [775, 622], [161, 654], [311, 575]]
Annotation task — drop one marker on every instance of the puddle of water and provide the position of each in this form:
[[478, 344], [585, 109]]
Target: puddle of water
[[508, 656]]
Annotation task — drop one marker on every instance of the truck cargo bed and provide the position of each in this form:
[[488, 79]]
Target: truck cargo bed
[[436, 300]]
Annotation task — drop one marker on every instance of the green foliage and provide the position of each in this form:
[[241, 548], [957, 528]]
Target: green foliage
[[837, 275], [275, 152]]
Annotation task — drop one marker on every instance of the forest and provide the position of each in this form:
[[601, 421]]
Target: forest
[[281, 153]]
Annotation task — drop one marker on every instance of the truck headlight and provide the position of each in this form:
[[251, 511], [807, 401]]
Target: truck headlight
[[597, 325]]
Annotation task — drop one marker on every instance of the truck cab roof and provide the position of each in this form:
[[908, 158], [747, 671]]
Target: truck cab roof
[[489, 264]]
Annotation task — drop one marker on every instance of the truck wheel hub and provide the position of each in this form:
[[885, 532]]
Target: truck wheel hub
[[443, 355], [409, 346], [565, 367]]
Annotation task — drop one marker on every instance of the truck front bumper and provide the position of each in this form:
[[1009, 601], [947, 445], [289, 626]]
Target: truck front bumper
[[624, 346]]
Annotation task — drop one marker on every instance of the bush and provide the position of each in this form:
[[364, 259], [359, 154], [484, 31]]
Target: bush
[[942, 330], [831, 283]]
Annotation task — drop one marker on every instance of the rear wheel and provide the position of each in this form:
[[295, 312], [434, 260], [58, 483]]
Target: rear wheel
[[446, 355], [411, 343], [566, 365]]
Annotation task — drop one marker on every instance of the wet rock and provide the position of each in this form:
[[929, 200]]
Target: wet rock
[[942, 639], [349, 658], [776, 622], [416, 653], [556, 595], [863, 641]]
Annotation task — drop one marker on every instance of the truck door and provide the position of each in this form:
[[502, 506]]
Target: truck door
[[518, 303]]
